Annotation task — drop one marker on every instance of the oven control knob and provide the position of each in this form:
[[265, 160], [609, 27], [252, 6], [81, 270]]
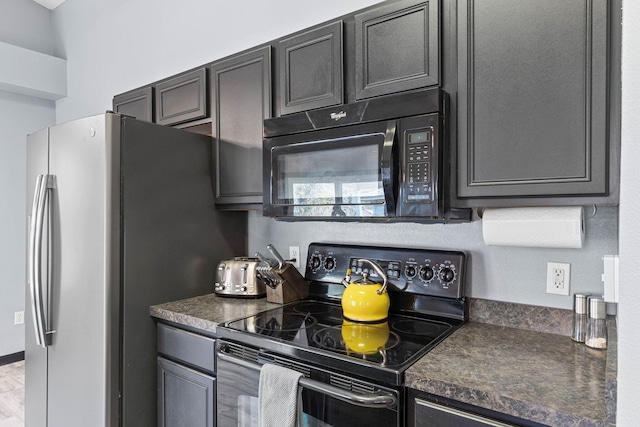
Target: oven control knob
[[426, 273], [243, 289], [329, 263], [447, 274], [410, 271], [315, 262]]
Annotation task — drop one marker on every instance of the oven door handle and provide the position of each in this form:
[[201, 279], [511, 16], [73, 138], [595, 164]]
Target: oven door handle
[[371, 400]]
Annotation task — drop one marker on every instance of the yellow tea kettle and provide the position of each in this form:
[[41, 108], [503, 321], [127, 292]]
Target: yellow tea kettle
[[365, 300]]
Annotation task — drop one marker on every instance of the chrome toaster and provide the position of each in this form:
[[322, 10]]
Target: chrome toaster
[[239, 277]]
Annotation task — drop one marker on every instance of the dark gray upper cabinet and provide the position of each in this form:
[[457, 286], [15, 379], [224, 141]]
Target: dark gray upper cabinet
[[240, 101], [532, 101], [137, 103], [311, 69], [182, 98], [397, 48]]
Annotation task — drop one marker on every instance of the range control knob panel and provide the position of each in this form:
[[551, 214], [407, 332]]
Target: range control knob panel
[[420, 271]]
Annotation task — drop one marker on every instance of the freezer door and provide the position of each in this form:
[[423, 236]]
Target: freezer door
[[80, 274], [35, 355]]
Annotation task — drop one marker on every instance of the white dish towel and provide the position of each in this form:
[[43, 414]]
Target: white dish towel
[[279, 396]]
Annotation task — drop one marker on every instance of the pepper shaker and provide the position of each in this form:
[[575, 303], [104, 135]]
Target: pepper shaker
[[596, 336], [580, 317]]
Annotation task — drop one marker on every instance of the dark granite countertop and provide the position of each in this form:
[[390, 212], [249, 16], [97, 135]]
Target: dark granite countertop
[[207, 311], [538, 376]]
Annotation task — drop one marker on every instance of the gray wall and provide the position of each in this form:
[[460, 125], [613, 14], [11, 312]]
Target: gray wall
[[25, 24], [497, 272]]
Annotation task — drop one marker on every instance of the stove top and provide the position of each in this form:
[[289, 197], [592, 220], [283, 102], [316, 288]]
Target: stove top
[[318, 328], [425, 309]]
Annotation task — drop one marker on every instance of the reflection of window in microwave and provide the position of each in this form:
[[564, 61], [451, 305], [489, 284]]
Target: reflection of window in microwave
[[360, 199], [349, 193]]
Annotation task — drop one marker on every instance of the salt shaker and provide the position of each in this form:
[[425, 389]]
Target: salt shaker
[[579, 317], [596, 336]]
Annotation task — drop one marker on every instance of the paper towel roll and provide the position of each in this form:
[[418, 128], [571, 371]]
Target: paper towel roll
[[546, 227]]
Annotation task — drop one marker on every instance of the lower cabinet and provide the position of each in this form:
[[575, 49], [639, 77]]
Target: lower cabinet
[[186, 397], [186, 378]]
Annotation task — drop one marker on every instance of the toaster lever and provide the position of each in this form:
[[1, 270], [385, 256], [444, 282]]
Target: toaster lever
[[244, 273], [222, 269]]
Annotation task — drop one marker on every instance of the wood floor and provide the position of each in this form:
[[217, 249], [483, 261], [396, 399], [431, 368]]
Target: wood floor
[[12, 395]]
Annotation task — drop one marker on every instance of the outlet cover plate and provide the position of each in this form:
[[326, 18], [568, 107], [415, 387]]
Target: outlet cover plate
[[294, 253], [558, 275]]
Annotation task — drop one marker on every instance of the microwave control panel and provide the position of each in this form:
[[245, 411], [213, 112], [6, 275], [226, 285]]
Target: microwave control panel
[[419, 166]]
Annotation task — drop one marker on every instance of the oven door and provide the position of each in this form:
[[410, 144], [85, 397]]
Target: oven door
[[328, 399], [344, 173]]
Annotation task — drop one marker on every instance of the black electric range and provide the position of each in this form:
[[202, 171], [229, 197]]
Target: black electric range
[[426, 289]]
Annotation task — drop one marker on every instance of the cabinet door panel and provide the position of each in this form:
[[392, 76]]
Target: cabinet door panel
[[311, 69], [185, 397], [397, 48], [136, 103], [182, 98], [532, 98], [241, 100]]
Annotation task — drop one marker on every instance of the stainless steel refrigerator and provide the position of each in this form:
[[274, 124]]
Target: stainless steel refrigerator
[[121, 216]]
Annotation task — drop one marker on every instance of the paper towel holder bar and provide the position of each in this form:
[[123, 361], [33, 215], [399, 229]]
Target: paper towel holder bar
[[594, 211]]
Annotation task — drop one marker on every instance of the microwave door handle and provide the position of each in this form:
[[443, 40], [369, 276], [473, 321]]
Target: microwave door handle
[[386, 167], [369, 400]]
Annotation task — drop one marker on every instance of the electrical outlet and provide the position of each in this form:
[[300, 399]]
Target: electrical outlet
[[558, 275], [294, 255], [18, 318]]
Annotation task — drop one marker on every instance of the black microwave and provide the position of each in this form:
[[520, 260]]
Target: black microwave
[[378, 159]]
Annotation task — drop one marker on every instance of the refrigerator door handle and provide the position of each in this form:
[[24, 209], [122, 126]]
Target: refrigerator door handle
[[43, 184]]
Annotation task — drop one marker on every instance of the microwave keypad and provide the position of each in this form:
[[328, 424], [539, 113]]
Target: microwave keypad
[[418, 166]]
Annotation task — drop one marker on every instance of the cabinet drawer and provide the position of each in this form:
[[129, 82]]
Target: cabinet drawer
[[182, 98], [190, 348]]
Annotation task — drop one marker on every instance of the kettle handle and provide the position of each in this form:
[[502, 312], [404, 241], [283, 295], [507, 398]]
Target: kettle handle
[[380, 272]]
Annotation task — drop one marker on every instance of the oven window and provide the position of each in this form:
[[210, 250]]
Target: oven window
[[338, 177]]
